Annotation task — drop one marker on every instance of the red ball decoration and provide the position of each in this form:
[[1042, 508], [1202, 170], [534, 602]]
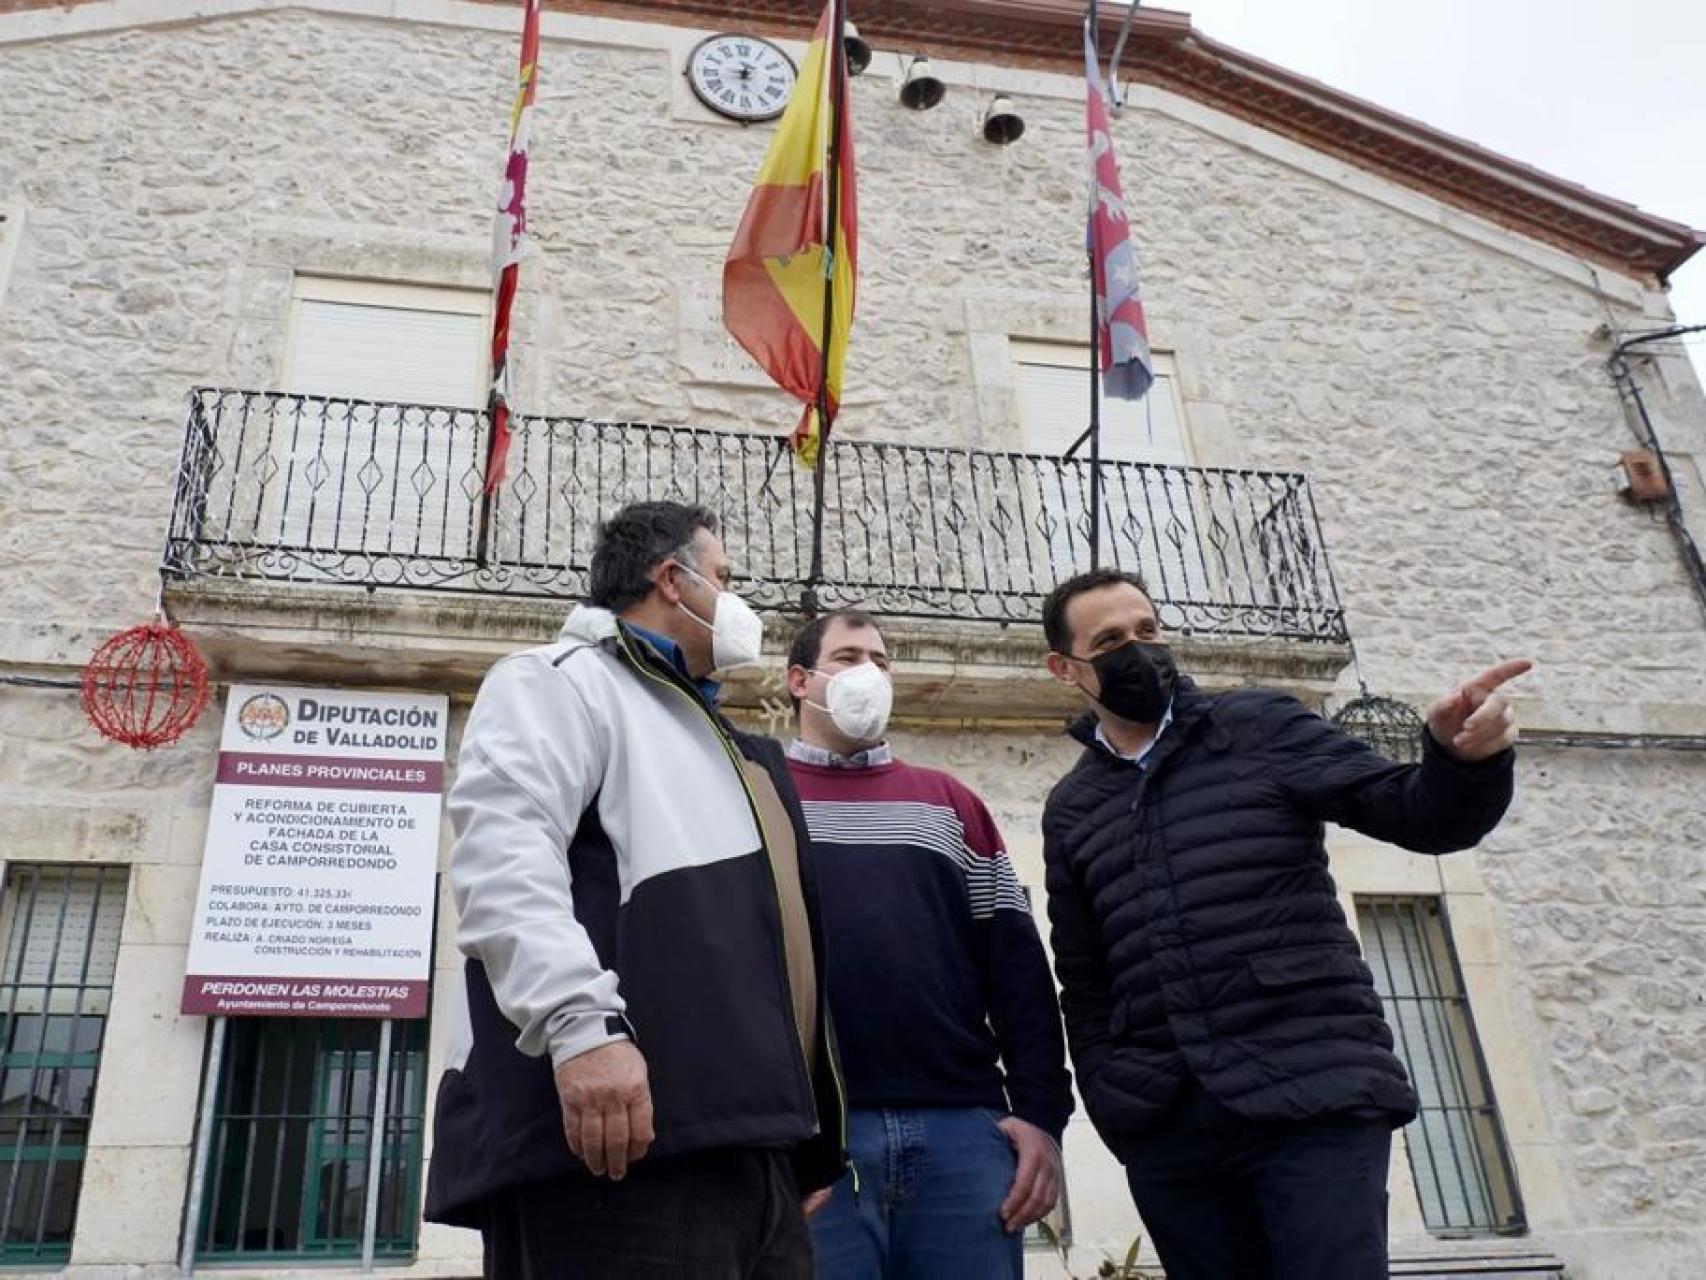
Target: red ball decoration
[[146, 686]]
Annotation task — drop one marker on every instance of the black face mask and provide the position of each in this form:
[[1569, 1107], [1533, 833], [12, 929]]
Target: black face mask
[[1137, 680]]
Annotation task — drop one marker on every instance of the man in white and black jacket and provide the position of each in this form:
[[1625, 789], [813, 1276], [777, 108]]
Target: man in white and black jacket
[[647, 1087]]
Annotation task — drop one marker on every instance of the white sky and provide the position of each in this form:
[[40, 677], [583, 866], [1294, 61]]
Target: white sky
[[1611, 95]]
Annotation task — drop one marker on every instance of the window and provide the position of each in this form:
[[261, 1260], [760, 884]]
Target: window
[[293, 1134], [1054, 404], [1150, 512], [61, 926], [385, 459], [1458, 1156]]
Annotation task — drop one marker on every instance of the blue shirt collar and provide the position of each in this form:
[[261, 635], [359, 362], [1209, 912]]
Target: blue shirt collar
[[671, 653], [1142, 753]]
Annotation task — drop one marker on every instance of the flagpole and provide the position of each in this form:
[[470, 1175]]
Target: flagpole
[[837, 88], [484, 514], [1095, 357], [1095, 422]]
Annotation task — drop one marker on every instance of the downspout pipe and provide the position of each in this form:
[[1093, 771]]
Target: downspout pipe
[[1627, 385]]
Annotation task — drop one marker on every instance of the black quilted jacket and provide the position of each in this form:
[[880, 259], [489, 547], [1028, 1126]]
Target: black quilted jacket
[[1197, 930]]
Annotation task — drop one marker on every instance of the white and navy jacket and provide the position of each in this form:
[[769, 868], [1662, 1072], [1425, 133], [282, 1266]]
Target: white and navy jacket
[[613, 875]]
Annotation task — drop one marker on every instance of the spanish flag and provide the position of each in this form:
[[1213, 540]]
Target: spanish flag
[[779, 279]]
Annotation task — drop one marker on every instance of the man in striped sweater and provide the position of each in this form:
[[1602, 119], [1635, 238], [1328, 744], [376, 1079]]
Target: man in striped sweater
[[949, 1028]]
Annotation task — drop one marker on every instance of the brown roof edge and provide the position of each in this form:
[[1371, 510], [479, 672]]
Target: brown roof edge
[[1166, 51], [1447, 165]]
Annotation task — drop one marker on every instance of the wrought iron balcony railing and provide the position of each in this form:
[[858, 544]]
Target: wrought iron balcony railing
[[305, 489]]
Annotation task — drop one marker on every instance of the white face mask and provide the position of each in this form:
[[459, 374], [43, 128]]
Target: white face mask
[[737, 633], [860, 699]]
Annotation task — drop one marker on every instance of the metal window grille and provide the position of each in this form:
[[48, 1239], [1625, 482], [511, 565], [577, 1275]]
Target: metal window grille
[[61, 927], [1458, 1154], [292, 1128]]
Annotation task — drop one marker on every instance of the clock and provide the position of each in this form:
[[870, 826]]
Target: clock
[[741, 77]]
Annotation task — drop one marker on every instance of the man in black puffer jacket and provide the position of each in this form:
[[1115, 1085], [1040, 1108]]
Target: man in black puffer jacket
[[1228, 1040]]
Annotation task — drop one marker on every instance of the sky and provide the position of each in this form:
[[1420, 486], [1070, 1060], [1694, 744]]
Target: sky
[[1611, 95]]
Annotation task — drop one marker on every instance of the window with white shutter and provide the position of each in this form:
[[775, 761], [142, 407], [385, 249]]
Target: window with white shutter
[[1152, 502], [1054, 406], [60, 924], [382, 454]]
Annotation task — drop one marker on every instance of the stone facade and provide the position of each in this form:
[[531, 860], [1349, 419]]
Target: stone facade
[[167, 170]]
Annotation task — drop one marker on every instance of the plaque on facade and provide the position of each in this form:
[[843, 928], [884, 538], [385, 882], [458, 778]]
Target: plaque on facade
[[319, 872], [709, 354]]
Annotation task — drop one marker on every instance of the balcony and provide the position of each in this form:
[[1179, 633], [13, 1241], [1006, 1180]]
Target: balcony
[[320, 495]]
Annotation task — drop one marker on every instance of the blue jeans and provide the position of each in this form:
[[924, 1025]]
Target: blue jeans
[[931, 1185]]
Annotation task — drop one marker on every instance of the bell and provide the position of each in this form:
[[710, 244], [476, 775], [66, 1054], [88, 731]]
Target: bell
[[1002, 124], [857, 50], [921, 90]]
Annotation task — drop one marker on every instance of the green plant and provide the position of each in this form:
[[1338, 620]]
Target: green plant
[[1124, 1269]]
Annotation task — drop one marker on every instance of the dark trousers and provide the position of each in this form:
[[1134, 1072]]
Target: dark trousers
[[717, 1215], [1225, 1198]]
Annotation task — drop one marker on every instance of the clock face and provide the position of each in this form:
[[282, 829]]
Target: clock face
[[741, 77]]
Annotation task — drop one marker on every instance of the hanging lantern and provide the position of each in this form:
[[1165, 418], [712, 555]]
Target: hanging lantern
[[146, 686], [1392, 728]]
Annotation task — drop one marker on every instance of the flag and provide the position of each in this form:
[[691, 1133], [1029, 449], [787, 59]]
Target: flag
[[1126, 367], [786, 247], [508, 226]]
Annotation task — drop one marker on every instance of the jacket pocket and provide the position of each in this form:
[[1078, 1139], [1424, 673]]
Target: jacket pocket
[[1307, 964]]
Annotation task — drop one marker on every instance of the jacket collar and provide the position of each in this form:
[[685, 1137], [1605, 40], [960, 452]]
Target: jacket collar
[[589, 625], [1190, 706]]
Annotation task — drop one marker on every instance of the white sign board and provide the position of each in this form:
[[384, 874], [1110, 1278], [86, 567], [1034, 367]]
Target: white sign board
[[318, 878]]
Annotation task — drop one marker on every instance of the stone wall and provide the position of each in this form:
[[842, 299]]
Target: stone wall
[[1601, 877], [1440, 379]]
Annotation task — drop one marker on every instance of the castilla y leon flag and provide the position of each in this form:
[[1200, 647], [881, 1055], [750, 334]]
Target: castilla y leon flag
[[508, 226], [1126, 367], [774, 295]]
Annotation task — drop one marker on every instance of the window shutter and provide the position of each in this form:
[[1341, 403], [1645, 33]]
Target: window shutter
[[62, 928], [398, 477], [1054, 401], [387, 353], [1150, 515]]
